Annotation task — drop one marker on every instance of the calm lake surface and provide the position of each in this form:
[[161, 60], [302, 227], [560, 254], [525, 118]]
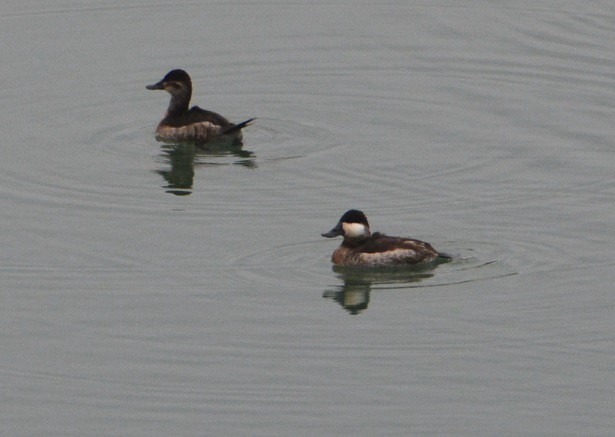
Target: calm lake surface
[[149, 290]]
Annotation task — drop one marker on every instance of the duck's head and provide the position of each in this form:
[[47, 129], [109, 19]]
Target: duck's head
[[176, 82], [353, 225]]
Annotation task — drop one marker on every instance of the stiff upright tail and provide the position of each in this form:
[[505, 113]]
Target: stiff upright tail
[[238, 126]]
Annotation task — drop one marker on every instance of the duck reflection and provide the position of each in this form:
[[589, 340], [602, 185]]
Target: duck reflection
[[354, 294], [183, 158]]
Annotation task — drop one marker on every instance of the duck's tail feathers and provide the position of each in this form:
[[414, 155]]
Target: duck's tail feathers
[[238, 126]]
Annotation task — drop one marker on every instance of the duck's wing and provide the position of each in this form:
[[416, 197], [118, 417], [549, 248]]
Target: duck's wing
[[403, 250], [200, 115]]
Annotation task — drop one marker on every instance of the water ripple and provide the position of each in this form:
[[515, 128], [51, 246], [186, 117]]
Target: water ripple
[[308, 263]]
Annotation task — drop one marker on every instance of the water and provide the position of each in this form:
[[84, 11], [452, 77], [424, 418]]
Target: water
[[156, 291]]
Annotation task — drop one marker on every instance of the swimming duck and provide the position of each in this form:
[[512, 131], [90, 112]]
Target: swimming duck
[[362, 248], [181, 124]]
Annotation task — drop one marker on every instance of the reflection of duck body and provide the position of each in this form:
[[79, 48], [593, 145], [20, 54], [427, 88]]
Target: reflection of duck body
[[362, 248], [181, 124]]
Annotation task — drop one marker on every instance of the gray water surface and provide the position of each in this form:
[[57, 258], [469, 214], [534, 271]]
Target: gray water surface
[[154, 290]]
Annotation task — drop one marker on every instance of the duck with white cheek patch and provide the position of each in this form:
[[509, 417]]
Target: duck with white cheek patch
[[362, 248]]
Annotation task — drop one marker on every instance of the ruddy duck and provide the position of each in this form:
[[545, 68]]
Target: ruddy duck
[[181, 124], [362, 248]]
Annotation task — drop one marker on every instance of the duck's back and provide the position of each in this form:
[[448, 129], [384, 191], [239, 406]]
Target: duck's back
[[200, 115]]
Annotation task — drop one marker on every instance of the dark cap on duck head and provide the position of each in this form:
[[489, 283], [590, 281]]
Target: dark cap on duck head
[[350, 216], [172, 76]]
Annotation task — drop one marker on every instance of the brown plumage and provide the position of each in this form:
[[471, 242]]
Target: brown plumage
[[181, 124], [362, 248]]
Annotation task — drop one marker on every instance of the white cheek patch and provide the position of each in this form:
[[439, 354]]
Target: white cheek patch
[[354, 230]]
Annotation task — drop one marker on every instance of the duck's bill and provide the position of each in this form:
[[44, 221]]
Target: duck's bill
[[335, 232], [156, 86]]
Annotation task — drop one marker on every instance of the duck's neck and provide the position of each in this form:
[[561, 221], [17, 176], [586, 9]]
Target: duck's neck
[[354, 242], [179, 103]]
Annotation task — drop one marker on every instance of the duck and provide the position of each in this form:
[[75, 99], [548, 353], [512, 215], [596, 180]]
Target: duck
[[362, 248], [196, 125]]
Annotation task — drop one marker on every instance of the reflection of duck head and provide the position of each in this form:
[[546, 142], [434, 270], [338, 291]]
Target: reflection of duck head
[[180, 176], [181, 124], [362, 248], [353, 295]]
